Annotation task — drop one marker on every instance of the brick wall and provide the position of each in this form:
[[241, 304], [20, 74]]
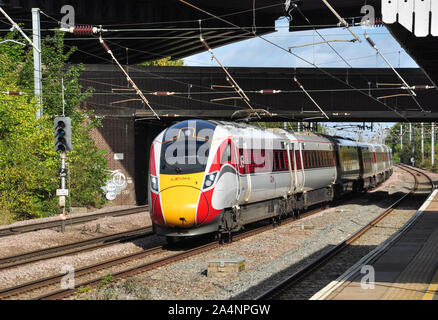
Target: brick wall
[[117, 137]]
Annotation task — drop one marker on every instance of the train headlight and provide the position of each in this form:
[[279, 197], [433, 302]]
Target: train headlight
[[209, 180], [154, 183]]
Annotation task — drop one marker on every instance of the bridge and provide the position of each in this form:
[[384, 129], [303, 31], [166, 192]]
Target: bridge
[[178, 93], [154, 29], [143, 30]]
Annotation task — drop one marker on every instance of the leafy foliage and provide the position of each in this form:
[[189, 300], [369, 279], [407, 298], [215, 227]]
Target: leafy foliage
[[29, 166], [409, 150], [163, 62]]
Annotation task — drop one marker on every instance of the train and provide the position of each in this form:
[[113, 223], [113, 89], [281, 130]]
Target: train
[[210, 176]]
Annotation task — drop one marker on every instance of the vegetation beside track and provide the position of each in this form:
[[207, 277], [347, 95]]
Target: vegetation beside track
[[29, 166], [412, 149]]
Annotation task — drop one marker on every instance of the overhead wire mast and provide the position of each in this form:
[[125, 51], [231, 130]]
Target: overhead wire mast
[[233, 84], [90, 30], [310, 97], [406, 86], [128, 78], [16, 26], [297, 56]]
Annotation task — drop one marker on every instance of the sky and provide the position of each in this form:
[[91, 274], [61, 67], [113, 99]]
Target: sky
[[258, 53]]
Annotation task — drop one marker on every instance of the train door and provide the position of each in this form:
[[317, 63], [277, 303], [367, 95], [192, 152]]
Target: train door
[[303, 177], [292, 167], [289, 148], [295, 168], [245, 164], [237, 165]]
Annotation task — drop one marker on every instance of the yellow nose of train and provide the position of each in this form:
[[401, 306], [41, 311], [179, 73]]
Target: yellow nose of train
[[179, 198]]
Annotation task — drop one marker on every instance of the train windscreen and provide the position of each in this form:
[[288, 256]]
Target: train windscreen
[[186, 147]]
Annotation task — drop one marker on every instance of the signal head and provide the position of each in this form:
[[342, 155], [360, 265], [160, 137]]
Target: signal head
[[62, 134]]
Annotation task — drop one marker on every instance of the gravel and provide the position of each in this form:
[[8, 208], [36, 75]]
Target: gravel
[[269, 257]]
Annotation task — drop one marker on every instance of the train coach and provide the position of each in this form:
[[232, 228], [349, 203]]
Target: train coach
[[215, 176]]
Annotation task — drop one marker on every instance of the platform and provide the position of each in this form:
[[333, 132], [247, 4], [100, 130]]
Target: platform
[[405, 266]]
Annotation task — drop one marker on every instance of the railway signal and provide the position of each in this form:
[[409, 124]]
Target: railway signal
[[63, 134], [62, 145]]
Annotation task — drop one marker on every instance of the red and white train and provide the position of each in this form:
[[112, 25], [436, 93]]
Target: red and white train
[[215, 176]]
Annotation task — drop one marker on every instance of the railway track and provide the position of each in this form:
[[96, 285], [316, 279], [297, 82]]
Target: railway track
[[51, 285], [283, 289], [72, 220], [73, 248], [54, 281]]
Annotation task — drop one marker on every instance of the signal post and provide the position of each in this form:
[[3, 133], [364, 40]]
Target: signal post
[[62, 145]]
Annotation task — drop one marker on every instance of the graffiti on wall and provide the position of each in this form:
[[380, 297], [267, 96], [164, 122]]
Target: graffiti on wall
[[115, 185]]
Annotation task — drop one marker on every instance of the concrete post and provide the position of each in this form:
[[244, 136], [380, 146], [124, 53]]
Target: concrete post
[[433, 144], [422, 142], [36, 31]]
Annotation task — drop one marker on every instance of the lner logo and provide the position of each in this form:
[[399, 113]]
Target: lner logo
[[407, 9]]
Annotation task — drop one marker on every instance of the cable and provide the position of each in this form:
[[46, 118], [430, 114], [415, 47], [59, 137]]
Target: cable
[[166, 78], [229, 78], [412, 93], [246, 31], [17, 27], [343, 59], [310, 97], [297, 56], [128, 78]]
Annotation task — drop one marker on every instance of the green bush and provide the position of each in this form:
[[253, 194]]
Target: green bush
[[29, 166]]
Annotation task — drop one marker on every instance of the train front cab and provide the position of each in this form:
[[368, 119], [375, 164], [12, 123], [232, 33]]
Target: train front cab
[[180, 186]]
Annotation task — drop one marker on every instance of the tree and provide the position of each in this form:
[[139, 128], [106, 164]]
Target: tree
[[29, 165], [404, 155], [164, 62]]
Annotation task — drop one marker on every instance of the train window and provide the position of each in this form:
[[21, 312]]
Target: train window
[[291, 154], [306, 159], [309, 161], [281, 162], [298, 159], [257, 161], [285, 162], [276, 161], [226, 156]]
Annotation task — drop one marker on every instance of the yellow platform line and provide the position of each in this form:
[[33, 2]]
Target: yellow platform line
[[433, 288]]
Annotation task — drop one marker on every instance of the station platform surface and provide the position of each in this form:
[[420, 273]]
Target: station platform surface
[[406, 269]]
